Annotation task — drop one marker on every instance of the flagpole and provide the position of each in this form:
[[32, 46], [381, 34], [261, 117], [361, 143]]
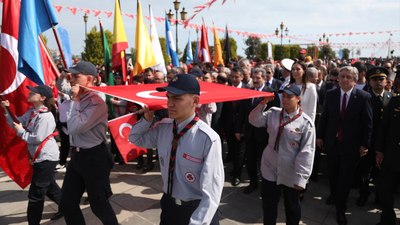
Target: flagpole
[[56, 37], [14, 118]]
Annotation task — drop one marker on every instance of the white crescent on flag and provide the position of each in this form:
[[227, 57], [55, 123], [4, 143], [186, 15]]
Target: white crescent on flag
[[10, 44]]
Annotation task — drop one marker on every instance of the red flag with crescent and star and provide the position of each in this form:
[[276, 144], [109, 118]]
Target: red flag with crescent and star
[[146, 94], [120, 129], [14, 158]]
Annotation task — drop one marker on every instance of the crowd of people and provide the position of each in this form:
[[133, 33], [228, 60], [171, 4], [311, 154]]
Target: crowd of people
[[348, 111]]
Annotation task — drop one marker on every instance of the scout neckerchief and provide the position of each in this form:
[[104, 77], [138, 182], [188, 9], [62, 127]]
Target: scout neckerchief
[[172, 158], [34, 113], [282, 125]]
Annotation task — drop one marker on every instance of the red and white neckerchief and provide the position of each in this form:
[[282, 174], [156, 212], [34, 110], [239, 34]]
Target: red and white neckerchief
[[34, 113]]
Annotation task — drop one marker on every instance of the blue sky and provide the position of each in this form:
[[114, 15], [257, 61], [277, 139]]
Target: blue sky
[[307, 17]]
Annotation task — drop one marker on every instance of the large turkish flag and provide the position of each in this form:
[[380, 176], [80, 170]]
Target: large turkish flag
[[146, 94]]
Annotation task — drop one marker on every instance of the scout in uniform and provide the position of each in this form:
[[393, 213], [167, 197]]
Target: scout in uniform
[[190, 156], [37, 130], [91, 162], [287, 161]]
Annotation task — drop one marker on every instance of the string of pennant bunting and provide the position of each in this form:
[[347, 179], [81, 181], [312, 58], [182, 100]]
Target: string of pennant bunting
[[97, 13]]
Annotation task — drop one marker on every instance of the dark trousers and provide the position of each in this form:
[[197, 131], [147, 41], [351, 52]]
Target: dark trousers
[[236, 152], [115, 151], [271, 194], [173, 214], [387, 184], [364, 173], [43, 184], [341, 168], [89, 169], [254, 149], [65, 146]]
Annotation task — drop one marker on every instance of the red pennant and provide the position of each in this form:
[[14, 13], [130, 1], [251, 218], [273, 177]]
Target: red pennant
[[108, 13], [58, 8], [96, 12], [72, 9]]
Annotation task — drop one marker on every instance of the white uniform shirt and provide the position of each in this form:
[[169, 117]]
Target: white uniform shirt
[[292, 163], [199, 170]]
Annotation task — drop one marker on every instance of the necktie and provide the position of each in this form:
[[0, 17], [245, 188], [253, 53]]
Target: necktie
[[172, 157], [342, 112]]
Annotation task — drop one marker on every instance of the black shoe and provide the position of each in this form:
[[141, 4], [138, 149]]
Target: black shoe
[[148, 167], [250, 188], [341, 219], [139, 165], [235, 181], [361, 201], [57, 216], [330, 200]]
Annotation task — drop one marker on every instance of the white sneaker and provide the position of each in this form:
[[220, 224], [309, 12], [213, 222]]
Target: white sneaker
[[60, 168]]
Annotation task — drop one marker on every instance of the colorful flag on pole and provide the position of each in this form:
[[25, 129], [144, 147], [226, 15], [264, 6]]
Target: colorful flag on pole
[[107, 68], [120, 42], [155, 41], [14, 156], [204, 49], [189, 52], [144, 50], [35, 18], [171, 48], [217, 50], [66, 44], [107, 57], [227, 47]]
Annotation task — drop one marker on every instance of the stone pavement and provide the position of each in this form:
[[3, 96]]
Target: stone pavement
[[136, 201]]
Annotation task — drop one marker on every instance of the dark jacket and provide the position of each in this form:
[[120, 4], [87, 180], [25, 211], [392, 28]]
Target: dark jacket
[[388, 137], [356, 124]]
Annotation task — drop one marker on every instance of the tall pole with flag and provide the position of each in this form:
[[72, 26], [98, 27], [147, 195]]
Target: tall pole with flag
[[217, 49], [107, 56], [227, 46], [144, 49], [156, 45], [189, 52], [204, 49], [14, 156], [120, 42], [171, 47], [35, 18]]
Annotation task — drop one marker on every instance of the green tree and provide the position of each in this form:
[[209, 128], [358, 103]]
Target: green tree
[[254, 47], [294, 51], [264, 50], [346, 54], [326, 52], [281, 51], [93, 51]]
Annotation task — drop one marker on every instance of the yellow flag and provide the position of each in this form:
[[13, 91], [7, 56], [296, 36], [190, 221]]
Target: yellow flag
[[217, 50], [145, 56], [120, 42]]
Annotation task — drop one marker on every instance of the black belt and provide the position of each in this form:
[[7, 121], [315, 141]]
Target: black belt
[[181, 202], [79, 149]]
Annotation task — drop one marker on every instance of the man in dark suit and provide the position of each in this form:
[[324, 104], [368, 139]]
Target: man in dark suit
[[256, 139], [230, 125], [344, 130], [270, 81], [376, 77], [388, 160]]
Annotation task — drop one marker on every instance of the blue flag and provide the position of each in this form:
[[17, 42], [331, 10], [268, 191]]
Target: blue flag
[[66, 45], [36, 16], [171, 48], [189, 53]]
